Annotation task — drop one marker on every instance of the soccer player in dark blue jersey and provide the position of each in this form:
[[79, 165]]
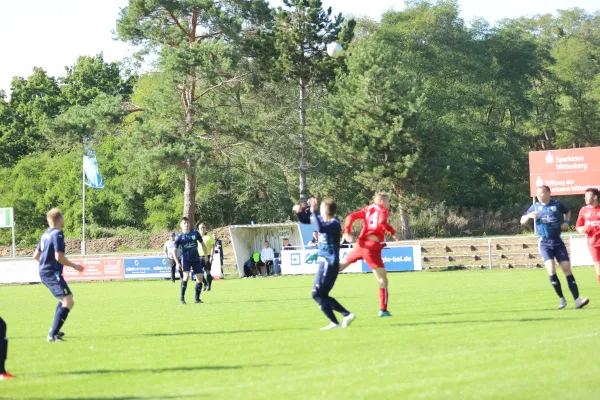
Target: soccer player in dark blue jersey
[[4, 375], [190, 258], [328, 259], [546, 215], [50, 253]]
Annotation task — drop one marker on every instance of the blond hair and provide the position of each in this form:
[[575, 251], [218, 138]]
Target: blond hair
[[380, 197], [54, 215]]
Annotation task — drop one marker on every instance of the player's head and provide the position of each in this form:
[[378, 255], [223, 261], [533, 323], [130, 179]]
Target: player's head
[[55, 218], [266, 243], [328, 208], [202, 228], [185, 225], [592, 196], [303, 203], [172, 235], [383, 199], [543, 193], [286, 242], [315, 234]]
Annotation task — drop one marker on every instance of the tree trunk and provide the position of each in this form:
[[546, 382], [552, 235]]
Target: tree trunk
[[189, 192], [303, 145], [404, 217]]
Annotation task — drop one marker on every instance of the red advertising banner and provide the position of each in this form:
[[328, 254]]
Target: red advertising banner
[[565, 172], [96, 269]]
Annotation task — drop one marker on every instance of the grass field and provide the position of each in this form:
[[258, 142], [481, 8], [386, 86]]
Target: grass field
[[454, 335]]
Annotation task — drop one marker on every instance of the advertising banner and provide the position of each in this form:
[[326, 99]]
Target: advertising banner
[[579, 252], [96, 269], [565, 172], [147, 267], [401, 259], [19, 271]]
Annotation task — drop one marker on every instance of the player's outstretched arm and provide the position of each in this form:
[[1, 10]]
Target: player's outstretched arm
[[360, 214], [302, 217], [580, 224], [60, 257]]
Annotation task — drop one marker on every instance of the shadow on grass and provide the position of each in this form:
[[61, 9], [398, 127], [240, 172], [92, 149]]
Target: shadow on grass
[[116, 398], [478, 321], [234, 332], [524, 310]]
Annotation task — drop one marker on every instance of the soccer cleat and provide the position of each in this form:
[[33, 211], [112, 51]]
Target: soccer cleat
[[348, 320], [183, 302], [61, 334], [385, 313], [580, 303], [197, 301], [55, 338], [330, 326], [208, 289], [6, 376], [563, 303]]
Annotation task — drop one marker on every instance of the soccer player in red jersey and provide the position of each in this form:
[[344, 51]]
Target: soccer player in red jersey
[[370, 242], [588, 222]]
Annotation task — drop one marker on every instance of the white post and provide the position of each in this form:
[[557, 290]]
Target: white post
[[534, 226], [490, 252], [13, 252], [83, 211]]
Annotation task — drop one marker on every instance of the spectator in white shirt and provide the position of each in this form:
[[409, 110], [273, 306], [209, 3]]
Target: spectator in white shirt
[[169, 249], [266, 259]]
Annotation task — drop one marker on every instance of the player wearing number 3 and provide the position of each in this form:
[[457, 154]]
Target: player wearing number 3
[[370, 243]]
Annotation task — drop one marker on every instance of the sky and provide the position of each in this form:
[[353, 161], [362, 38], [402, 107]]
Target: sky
[[52, 33]]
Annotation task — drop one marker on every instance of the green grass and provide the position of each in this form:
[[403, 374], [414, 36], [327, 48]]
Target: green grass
[[454, 335]]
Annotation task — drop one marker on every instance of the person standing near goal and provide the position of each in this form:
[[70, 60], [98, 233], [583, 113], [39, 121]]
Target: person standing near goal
[[190, 258], [328, 259], [546, 215], [209, 242], [370, 243], [50, 253], [588, 222]]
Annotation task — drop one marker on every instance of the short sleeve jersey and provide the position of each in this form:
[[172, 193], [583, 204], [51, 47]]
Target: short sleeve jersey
[[329, 238], [590, 217], [51, 242], [548, 220], [209, 241], [376, 222], [188, 242]]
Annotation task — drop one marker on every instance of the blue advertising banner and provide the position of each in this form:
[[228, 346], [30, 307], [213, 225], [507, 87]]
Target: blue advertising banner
[[400, 259], [141, 268]]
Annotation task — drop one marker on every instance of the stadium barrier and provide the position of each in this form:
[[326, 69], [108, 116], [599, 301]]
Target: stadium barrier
[[96, 269], [401, 258]]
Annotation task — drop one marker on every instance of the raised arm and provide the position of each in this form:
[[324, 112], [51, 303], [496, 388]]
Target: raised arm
[[360, 214]]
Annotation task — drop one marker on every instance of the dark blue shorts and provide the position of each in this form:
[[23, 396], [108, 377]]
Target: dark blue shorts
[[326, 276], [57, 285], [553, 250], [196, 266]]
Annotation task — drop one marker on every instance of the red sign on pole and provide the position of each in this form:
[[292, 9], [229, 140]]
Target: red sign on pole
[[565, 172], [96, 269]]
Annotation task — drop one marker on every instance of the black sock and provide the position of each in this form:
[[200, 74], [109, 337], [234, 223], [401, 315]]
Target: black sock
[[60, 317], [209, 279], [573, 286], [338, 307], [198, 290], [173, 273], [556, 284], [325, 306], [3, 345], [183, 287], [180, 274], [204, 280]]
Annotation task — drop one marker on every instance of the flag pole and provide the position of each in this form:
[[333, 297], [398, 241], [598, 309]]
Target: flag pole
[[83, 210]]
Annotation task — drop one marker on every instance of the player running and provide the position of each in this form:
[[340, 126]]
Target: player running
[[50, 253], [588, 222], [328, 259], [546, 215], [190, 258], [370, 242]]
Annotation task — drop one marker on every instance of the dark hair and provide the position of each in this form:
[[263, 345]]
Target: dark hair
[[266, 241], [330, 206], [595, 191], [184, 219], [546, 188]]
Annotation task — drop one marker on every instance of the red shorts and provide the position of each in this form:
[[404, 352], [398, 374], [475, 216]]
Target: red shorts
[[367, 250], [595, 252]]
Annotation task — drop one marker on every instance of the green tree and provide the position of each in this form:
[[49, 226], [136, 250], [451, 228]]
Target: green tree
[[200, 45]]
